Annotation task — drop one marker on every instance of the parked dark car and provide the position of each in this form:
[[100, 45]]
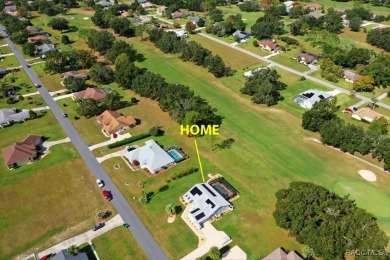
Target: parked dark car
[[98, 226]]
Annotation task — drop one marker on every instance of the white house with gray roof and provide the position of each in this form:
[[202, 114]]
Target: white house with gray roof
[[44, 48], [206, 203], [308, 98], [9, 115], [150, 156]]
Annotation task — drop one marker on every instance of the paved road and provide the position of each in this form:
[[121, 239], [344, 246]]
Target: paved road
[[141, 234], [85, 237], [272, 63]]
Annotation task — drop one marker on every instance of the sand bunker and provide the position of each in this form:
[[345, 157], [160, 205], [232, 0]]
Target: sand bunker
[[367, 175], [86, 18]]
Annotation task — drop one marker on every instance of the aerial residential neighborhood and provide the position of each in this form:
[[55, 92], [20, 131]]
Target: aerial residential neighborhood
[[194, 130]]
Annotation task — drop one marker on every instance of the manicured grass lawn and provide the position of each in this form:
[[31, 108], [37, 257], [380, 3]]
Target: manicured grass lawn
[[28, 103], [21, 80], [270, 164], [51, 81], [248, 45], [9, 62], [119, 244], [349, 5], [344, 100], [5, 50], [235, 59], [88, 128], [248, 17], [357, 39], [46, 198], [286, 59]]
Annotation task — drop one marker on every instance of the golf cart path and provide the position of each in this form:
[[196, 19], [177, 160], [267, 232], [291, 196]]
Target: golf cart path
[[85, 237]]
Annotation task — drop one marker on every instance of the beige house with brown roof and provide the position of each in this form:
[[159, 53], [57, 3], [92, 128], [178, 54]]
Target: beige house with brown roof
[[367, 114], [350, 75], [22, 152], [114, 122], [94, 93], [75, 74], [161, 10], [268, 45], [38, 38], [314, 6]]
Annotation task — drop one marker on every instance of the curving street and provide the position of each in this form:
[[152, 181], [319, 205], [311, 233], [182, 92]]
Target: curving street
[[139, 231]]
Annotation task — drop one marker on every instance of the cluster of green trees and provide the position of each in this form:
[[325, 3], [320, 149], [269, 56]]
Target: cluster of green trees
[[331, 22], [264, 87], [59, 24], [379, 70], [249, 6], [268, 25], [101, 74], [349, 138], [59, 62], [181, 102], [16, 29], [90, 107], [328, 223], [51, 8], [231, 24], [190, 51], [379, 37], [289, 40], [330, 71]]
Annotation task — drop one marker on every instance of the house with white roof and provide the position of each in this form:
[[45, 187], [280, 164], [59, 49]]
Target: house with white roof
[[150, 156], [249, 74], [181, 34], [308, 98], [288, 5], [206, 203]]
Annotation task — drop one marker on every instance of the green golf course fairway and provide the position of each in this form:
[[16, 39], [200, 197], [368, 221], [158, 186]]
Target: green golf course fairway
[[270, 151]]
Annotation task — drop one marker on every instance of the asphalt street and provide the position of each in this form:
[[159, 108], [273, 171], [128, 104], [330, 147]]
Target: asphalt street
[[141, 234]]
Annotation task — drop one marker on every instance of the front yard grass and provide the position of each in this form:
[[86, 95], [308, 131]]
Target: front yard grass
[[118, 243], [28, 103], [50, 80], [9, 62], [285, 59], [20, 79], [46, 198]]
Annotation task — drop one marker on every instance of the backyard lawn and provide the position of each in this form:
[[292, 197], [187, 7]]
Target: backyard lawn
[[28, 103], [9, 62], [286, 60], [119, 244], [40, 196]]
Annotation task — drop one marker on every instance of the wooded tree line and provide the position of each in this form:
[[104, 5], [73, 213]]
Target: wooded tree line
[[379, 37], [177, 99], [350, 138], [168, 42], [264, 87], [15, 28], [326, 222]]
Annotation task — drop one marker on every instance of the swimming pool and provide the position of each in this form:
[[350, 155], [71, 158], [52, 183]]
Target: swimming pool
[[175, 154]]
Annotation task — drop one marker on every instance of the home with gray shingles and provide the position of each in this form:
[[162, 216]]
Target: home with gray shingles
[[241, 35], [3, 71], [44, 48], [195, 20], [280, 254], [151, 157], [10, 115], [62, 255], [205, 204], [350, 75], [104, 3]]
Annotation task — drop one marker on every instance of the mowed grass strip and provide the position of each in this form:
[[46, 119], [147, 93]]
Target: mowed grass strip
[[119, 244], [270, 151], [235, 59]]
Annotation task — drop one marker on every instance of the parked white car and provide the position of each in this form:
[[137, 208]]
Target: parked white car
[[100, 183]]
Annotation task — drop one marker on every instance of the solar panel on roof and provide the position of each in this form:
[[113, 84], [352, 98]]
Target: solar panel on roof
[[196, 191], [321, 96], [208, 201], [201, 215], [207, 188], [195, 210]]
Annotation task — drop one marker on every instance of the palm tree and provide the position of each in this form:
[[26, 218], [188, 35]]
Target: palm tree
[[142, 183], [374, 102], [72, 250], [170, 210], [214, 253]]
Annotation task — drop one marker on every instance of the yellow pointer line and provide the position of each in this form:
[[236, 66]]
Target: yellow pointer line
[[200, 164]]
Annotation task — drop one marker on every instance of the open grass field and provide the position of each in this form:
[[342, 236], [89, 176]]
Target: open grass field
[[51, 81], [249, 18], [119, 244], [28, 102], [43, 200], [9, 62], [233, 58], [264, 164], [380, 10], [357, 39], [286, 60]]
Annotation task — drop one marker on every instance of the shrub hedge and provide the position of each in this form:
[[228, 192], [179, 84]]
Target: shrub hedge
[[128, 140]]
